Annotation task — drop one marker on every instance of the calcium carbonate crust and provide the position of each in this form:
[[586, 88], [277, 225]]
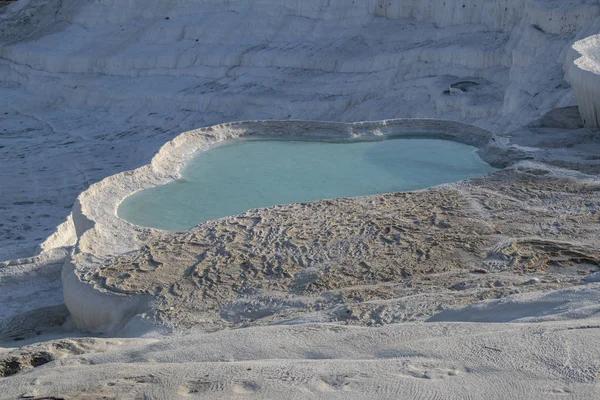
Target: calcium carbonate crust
[[97, 233]]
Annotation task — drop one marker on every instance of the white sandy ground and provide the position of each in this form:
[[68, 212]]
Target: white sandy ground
[[89, 89], [555, 357]]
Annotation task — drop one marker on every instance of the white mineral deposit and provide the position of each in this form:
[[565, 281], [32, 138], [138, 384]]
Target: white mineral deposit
[[351, 266]]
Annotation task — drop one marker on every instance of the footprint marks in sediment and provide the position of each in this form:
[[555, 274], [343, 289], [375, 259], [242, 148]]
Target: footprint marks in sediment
[[201, 387], [391, 380]]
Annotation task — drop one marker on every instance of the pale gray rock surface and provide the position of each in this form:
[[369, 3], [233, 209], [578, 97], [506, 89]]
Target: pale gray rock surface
[[337, 298]]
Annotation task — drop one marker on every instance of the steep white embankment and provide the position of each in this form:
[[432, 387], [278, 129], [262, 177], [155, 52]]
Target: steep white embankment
[[94, 88]]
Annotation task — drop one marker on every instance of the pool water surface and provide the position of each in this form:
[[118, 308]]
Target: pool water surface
[[245, 174]]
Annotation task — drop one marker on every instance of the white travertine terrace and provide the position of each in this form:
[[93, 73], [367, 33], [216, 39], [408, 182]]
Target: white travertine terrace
[[99, 233], [483, 288], [106, 83]]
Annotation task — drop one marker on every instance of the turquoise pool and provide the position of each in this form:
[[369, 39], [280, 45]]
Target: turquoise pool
[[245, 174]]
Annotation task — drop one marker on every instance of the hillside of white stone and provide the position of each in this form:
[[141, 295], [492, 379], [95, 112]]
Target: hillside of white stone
[[90, 89]]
